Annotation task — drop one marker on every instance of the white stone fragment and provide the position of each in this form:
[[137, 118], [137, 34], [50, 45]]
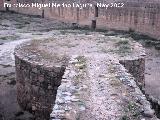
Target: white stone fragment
[[67, 98]]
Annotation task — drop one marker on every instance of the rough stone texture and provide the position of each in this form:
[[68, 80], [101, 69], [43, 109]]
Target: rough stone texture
[[155, 104], [106, 94], [136, 68], [37, 86], [1, 5], [38, 61], [139, 15]]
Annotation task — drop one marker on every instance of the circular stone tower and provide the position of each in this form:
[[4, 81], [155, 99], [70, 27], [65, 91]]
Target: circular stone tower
[[37, 80]]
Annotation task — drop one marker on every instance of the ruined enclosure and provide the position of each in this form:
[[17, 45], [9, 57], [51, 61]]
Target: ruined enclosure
[[80, 75], [24, 28], [51, 85], [142, 16]]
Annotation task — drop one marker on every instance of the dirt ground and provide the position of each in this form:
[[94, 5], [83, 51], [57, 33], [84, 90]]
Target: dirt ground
[[9, 108]]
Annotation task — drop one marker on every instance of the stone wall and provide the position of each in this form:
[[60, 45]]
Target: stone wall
[[70, 102], [1, 5], [137, 69], [37, 87], [38, 76], [142, 16]]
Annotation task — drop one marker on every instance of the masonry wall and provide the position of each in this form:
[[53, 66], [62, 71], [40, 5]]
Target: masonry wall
[[37, 87], [139, 15], [1, 5], [136, 68], [37, 84], [68, 108], [143, 17]]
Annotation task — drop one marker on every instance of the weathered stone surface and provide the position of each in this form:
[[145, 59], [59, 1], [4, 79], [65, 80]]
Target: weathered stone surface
[[38, 89], [136, 68], [80, 67], [89, 97]]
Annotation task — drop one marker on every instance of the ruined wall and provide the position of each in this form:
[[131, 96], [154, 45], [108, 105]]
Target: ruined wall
[[139, 16], [38, 79], [137, 69], [37, 87], [69, 106], [1, 5], [142, 16]]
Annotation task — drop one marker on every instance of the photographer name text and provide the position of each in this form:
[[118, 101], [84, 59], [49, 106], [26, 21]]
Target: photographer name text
[[67, 5]]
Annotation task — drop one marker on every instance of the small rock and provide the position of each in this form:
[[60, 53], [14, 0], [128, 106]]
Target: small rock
[[72, 74], [73, 61], [143, 119], [55, 107], [74, 99], [59, 111], [67, 98], [67, 93], [33, 108], [149, 113], [67, 108], [60, 101], [82, 108], [50, 87]]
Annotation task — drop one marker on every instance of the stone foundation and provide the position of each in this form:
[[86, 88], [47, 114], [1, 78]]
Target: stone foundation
[[90, 72], [136, 68], [75, 105], [37, 87]]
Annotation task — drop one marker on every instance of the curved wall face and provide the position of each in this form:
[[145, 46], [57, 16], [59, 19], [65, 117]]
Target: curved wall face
[[37, 86], [136, 68]]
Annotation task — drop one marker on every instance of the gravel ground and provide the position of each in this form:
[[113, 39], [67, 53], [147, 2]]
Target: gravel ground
[[103, 92]]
